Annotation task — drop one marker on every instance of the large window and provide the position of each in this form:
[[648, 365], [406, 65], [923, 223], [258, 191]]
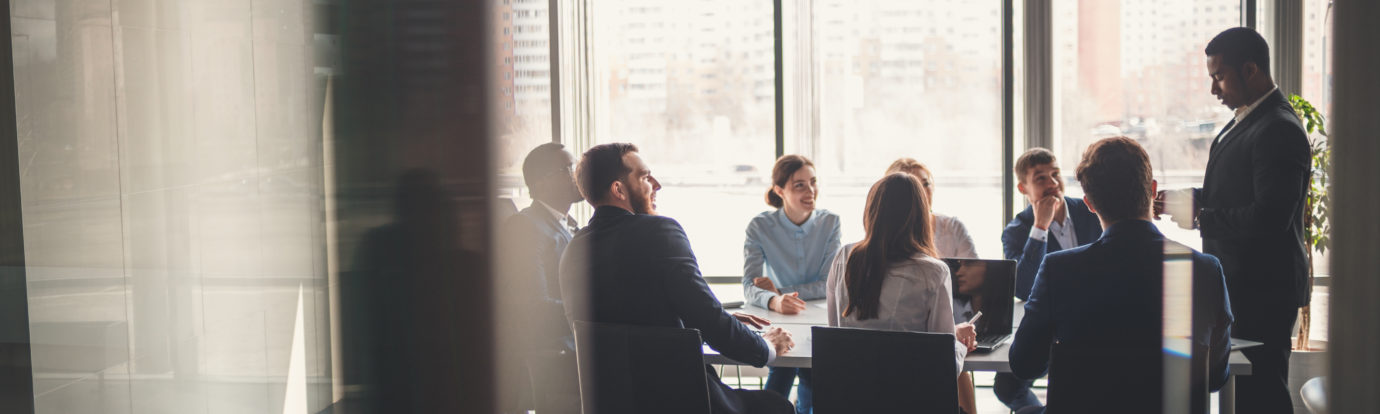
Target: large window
[[692, 84], [1137, 69], [1317, 89], [521, 53], [1317, 54], [918, 79]]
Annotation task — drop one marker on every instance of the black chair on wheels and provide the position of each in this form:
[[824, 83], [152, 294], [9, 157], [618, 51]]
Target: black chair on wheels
[[871, 371], [640, 369], [1105, 377]]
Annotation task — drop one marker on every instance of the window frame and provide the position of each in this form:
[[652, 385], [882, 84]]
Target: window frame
[[572, 79]]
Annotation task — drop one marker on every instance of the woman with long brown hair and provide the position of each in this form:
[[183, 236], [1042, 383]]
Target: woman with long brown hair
[[891, 280], [951, 241]]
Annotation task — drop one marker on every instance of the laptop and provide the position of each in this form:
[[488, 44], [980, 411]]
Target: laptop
[[988, 286]]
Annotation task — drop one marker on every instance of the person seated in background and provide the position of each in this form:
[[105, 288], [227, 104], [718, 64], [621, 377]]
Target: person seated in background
[[1051, 223], [786, 257], [951, 240], [535, 238], [895, 256], [631, 266], [1112, 288], [532, 241]]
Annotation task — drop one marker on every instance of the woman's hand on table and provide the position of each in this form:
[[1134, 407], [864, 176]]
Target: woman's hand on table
[[789, 304]]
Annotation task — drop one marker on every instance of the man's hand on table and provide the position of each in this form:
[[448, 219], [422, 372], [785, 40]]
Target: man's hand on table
[[779, 339], [756, 322], [788, 304], [967, 335]]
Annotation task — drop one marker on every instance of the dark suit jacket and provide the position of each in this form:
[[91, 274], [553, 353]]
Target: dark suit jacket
[[1112, 289], [1252, 206], [1029, 253], [638, 269], [533, 241]]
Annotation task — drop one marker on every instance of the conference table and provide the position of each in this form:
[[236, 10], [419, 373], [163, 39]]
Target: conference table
[[815, 314]]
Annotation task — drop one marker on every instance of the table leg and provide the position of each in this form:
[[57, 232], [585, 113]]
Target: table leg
[[1226, 398]]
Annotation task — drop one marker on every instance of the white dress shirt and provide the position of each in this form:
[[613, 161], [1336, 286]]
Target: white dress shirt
[[1242, 112], [951, 238], [563, 218], [1063, 232]]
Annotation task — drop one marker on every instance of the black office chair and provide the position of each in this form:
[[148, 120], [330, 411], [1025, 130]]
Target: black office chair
[[1105, 377], [870, 371], [637, 369], [555, 382]]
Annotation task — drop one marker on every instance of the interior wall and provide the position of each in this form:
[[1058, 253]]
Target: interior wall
[[1354, 326], [170, 169]]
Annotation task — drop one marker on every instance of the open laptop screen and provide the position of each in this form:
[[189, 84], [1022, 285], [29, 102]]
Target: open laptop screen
[[988, 286]]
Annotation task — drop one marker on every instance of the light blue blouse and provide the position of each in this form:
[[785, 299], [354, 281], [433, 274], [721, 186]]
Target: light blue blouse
[[795, 258]]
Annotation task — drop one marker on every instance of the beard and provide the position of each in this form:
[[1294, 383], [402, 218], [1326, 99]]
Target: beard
[[643, 204]]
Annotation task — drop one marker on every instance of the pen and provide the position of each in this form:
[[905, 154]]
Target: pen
[[975, 318]]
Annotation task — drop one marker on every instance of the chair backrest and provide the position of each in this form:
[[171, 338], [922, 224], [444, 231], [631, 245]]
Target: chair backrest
[[1105, 377], [871, 371], [640, 369]]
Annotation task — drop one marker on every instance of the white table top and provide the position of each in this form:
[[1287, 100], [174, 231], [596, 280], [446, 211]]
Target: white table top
[[815, 315]]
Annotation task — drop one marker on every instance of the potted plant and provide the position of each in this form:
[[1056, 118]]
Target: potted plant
[[1309, 358], [1316, 227]]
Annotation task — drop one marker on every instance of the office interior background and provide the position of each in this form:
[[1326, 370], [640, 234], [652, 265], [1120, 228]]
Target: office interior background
[[195, 192]]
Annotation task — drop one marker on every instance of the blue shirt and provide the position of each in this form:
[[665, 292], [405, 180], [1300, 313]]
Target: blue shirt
[[795, 258]]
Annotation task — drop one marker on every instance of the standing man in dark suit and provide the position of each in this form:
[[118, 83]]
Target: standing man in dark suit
[[1250, 212], [1051, 223], [633, 267], [1112, 289]]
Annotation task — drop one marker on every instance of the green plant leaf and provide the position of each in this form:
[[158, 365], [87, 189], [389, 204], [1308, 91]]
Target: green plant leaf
[[1318, 200]]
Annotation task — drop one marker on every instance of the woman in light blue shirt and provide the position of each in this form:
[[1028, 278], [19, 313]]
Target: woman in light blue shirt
[[787, 254]]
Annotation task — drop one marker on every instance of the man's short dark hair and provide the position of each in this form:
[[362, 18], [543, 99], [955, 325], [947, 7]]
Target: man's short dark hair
[[1115, 174], [600, 167], [542, 161], [1238, 45], [1031, 158]]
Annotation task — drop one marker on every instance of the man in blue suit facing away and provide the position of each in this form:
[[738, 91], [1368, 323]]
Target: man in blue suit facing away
[[1113, 287], [1051, 223]]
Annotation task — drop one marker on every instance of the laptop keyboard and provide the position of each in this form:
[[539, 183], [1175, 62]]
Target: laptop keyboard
[[992, 338]]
